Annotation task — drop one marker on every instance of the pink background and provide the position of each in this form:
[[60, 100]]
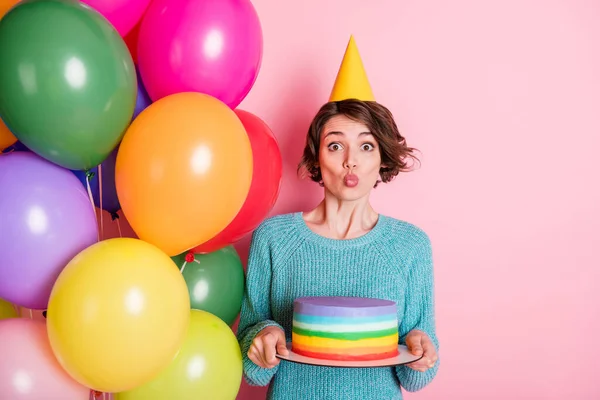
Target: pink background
[[503, 100]]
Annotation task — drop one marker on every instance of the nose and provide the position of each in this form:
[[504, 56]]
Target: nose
[[350, 160]]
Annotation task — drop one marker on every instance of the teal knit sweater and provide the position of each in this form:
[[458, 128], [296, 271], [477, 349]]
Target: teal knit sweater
[[288, 260]]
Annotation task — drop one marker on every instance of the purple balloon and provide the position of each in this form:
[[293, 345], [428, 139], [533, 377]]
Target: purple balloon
[[142, 101], [46, 218]]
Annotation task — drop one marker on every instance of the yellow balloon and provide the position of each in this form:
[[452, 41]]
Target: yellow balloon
[[117, 315], [208, 366], [7, 310]]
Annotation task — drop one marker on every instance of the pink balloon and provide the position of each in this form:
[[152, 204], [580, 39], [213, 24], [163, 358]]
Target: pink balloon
[[122, 14], [28, 367], [209, 46]]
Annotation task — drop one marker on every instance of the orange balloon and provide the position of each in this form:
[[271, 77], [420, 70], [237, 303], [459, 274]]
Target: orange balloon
[[5, 5], [6, 137], [183, 171]]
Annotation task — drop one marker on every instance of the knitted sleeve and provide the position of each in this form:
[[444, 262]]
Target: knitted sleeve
[[419, 311], [255, 314]]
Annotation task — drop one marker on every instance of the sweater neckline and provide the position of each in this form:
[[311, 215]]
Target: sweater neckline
[[362, 240]]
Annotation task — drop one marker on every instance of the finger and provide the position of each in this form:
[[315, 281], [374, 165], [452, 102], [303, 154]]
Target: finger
[[282, 349], [253, 356], [418, 365], [269, 343], [429, 353], [258, 344], [281, 346], [414, 345], [270, 348]]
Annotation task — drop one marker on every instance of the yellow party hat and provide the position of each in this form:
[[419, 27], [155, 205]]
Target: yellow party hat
[[351, 81]]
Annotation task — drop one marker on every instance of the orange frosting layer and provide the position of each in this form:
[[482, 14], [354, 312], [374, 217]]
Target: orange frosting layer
[[356, 351]]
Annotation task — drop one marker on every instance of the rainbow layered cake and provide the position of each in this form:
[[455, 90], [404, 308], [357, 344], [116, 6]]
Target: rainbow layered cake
[[345, 328]]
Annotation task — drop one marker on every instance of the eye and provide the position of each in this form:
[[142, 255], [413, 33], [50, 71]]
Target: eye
[[368, 147], [334, 146]]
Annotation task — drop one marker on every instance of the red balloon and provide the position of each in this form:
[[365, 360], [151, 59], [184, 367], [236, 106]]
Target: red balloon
[[131, 40], [264, 189]]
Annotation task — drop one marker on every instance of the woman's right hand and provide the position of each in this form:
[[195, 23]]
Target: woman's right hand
[[266, 344]]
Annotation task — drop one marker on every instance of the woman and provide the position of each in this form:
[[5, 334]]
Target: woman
[[341, 248]]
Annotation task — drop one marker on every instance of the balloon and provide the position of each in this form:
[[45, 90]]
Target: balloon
[[122, 14], [118, 314], [266, 181], [110, 200], [142, 100], [28, 369], [215, 282], [183, 171], [208, 366], [207, 46], [67, 81], [6, 5], [7, 139], [7, 310], [46, 219], [131, 40]]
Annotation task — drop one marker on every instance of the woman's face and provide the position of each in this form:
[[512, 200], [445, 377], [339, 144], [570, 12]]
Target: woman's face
[[349, 158]]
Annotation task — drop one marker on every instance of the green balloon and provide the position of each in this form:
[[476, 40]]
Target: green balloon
[[215, 282], [208, 365], [68, 84]]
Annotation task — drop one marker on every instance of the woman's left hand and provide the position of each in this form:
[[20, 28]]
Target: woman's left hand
[[419, 343]]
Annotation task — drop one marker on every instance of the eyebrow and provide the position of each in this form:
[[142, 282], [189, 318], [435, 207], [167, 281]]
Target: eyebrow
[[342, 133]]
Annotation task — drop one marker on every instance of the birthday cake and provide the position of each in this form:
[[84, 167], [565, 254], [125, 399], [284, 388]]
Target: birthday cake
[[345, 328]]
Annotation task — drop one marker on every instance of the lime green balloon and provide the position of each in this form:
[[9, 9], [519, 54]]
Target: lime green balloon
[[215, 282], [67, 81], [7, 310], [208, 365]]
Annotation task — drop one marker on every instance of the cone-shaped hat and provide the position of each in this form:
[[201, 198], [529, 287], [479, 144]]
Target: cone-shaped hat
[[351, 81]]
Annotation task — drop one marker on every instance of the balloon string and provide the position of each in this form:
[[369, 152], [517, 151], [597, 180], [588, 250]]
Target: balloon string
[[100, 186], [183, 266], [30, 314], [119, 227], [89, 190]]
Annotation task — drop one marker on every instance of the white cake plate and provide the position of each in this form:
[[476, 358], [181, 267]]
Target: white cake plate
[[405, 357]]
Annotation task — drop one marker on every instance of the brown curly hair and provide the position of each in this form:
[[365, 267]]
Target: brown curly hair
[[380, 122]]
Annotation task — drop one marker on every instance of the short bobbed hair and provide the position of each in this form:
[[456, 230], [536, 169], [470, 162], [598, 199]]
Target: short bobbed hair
[[396, 155]]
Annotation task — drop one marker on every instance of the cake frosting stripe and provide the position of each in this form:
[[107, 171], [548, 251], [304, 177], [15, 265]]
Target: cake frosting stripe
[[357, 351], [345, 328], [391, 340], [346, 357], [316, 319], [335, 326], [346, 335], [336, 311]]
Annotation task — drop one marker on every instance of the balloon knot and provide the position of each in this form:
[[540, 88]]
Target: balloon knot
[[114, 215], [189, 257], [96, 393], [89, 174]]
